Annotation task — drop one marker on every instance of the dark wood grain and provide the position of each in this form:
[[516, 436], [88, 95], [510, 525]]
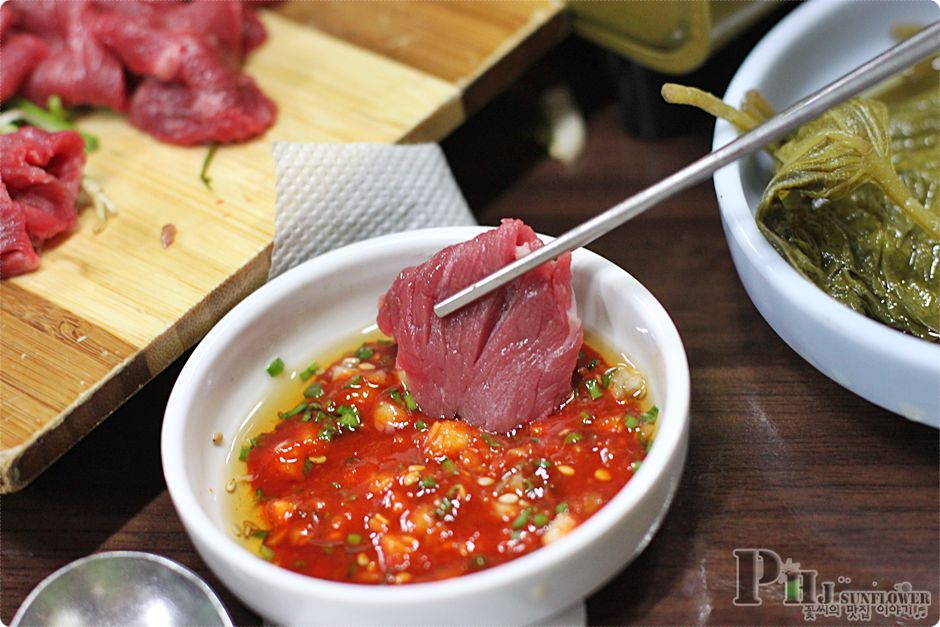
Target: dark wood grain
[[780, 456]]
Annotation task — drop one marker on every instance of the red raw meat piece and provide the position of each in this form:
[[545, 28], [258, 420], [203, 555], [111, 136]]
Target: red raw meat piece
[[6, 18], [253, 33], [19, 54], [77, 69], [232, 109], [17, 255], [41, 173], [219, 24], [191, 95], [501, 362]]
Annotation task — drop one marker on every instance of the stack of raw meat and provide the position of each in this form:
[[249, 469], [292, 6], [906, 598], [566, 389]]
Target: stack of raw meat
[[40, 175], [173, 67]]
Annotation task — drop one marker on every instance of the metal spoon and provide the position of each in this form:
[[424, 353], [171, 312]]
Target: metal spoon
[[122, 588], [906, 53]]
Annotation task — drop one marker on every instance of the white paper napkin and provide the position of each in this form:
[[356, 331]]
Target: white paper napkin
[[330, 195]]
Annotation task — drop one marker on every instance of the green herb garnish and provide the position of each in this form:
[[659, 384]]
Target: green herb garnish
[[260, 533], [204, 172], [243, 454], [521, 519], [355, 382], [591, 365], [573, 437], [449, 467], [443, 507], [327, 432], [490, 440], [308, 466], [561, 508], [348, 416], [421, 425], [353, 538], [631, 421], [544, 463], [540, 520], [410, 401], [635, 466], [395, 393], [296, 409], [309, 371], [605, 380], [593, 388], [651, 415], [314, 390], [364, 352], [276, 367], [428, 482], [266, 552]]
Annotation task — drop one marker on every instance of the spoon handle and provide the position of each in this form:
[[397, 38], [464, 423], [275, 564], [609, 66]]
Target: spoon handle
[[904, 54]]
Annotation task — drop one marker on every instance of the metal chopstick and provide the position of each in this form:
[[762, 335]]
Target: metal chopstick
[[906, 53]]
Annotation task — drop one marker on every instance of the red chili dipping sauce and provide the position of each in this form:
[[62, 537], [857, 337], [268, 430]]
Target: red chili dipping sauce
[[353, 483]]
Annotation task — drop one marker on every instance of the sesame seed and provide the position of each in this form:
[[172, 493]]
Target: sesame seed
[[230, 486], [415, 468], [565, 470], [602, 474], [317, 460], [366, 366], [217, 438], [484, 481], [508, 498], [362, 560], [410, 479]]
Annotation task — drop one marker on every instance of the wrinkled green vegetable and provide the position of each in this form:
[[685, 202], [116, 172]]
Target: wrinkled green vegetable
[[854, 203]]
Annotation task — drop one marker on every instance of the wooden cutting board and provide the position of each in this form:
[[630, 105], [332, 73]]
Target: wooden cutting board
[[106, 312]]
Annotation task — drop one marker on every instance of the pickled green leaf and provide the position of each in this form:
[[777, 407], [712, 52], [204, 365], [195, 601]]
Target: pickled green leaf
[[854, 203]]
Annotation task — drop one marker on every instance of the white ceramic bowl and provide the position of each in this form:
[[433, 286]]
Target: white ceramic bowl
[[813, 45], [331, 297]]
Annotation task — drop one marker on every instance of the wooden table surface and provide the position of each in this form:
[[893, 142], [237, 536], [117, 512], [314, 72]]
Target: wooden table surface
[[780, 457]]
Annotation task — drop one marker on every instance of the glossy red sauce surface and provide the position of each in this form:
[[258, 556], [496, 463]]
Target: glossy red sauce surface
[[355, 484]]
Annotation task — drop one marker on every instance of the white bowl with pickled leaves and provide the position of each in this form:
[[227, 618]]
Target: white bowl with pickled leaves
[[816, 43]]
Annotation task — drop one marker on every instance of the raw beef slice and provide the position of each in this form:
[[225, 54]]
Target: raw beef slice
[[40, 176], [500, 362]]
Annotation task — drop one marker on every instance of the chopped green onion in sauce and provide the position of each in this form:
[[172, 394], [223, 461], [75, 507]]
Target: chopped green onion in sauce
[[296, 409], [309, 371], [593, 388], [276, 367], [651, 415]]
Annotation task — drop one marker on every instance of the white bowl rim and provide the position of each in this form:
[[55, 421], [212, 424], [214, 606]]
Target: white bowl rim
[[772, 267], [674, 416]]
